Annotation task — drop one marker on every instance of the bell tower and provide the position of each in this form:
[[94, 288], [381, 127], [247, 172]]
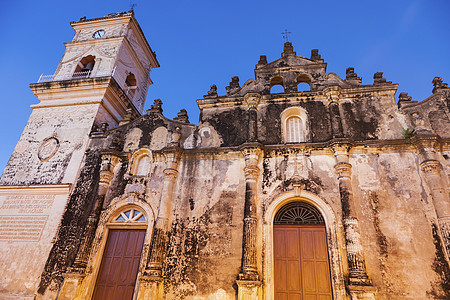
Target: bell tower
[[103, 75], [104, 72]]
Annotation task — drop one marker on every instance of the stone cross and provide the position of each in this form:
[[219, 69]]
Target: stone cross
[[285, 34]]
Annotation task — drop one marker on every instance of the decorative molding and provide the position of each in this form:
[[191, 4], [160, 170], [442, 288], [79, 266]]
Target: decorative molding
[[343, 170], [251, 172], [430, 167]]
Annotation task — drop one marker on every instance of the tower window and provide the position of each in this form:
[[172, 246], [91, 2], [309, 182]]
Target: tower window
[[84, 67], [130, 85]]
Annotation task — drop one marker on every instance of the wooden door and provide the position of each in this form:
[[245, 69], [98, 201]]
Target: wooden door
[[301, 263], [119, 267]]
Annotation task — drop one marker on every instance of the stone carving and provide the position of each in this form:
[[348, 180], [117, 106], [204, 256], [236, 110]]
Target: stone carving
[[48, 148]]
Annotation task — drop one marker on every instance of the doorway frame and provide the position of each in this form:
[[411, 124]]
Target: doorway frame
[[86, 289], [331, 228]]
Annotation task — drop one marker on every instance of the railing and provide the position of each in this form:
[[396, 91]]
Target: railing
[[76, 75]]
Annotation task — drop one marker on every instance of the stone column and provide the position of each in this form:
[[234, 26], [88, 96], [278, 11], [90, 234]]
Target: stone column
[[333, 110], [431, 167], [248, 280], [355, 254], [74, 274], [160, 230]]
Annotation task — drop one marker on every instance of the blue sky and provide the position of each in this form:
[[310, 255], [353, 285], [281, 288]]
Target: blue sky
[[199, 43]]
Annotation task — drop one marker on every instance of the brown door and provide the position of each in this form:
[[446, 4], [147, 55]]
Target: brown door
[[301, 263], [120, 263]]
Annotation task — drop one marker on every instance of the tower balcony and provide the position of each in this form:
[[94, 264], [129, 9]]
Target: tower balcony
[[79, 75]]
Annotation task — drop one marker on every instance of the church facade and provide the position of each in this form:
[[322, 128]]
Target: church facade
[[330, 189]]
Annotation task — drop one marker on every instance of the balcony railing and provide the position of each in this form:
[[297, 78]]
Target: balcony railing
[[76, 75]]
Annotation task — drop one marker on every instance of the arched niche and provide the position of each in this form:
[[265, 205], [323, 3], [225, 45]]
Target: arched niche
[[140, 163]]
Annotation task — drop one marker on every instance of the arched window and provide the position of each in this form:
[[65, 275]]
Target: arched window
[[293, 125], [276, 85], [293, 129], [130, 85], [84, 67], [303, 82]]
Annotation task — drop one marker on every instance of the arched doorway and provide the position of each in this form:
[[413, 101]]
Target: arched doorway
[[116, 279], [301, 265]]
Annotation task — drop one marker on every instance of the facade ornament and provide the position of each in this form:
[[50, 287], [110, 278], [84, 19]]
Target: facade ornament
[[438, 84], [315, 54], [212, 93], [234, 85], [262, 60], [379, 79], [182, 116], [156, 107]]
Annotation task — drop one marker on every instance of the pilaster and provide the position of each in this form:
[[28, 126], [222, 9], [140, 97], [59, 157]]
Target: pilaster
[[153, 272], [355, 253], [427, 145], [252, 100], [248, 279]]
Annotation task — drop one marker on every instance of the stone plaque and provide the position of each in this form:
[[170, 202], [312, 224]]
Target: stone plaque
[[48, 148], [26, 204], [21, 228], [23, 217]]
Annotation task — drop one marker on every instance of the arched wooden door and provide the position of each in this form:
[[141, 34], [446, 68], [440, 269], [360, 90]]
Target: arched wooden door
[[302, 269], [120, 263]]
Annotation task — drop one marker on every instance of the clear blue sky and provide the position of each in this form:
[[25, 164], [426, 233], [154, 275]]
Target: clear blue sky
[[199, 43]]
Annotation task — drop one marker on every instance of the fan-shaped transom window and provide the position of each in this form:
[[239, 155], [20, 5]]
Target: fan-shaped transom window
[[298, 213], [130, 215]]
